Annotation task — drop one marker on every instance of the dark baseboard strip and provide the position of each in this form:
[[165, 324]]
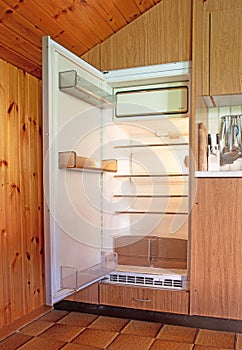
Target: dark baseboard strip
[[219, 324]]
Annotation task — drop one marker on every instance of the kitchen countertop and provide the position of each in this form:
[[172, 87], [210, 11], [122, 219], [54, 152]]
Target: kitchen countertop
[[218, 174]]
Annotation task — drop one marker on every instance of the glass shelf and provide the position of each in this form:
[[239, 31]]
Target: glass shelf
[[149, 196], [151, 145], [149, 175], [150, 212]]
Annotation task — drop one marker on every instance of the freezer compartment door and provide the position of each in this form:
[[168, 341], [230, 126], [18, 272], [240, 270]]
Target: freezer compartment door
[[148, 101]]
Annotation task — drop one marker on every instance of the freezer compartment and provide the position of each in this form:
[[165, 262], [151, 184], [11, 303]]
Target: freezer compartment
[[152, 100], [159, 252], [73, 278]]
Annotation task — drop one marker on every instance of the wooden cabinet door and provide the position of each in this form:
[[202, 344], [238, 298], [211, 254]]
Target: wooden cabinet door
[[216, 249], [161, 35], [223, 47], [144, 298]]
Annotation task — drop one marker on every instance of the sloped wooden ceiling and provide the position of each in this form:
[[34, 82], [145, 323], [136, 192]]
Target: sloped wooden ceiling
[[78, 25]]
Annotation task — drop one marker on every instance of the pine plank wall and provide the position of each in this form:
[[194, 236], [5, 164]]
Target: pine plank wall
[[21, 209]]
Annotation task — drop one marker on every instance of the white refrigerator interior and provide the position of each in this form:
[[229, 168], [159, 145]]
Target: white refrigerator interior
[[108, 172]]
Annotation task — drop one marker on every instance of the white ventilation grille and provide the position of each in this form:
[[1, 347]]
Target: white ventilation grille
[[145, 280]]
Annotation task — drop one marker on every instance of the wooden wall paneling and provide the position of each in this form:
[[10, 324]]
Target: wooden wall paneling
[[33, 187], [39, 132], [216, 254], [152, 38], [14, 222], [32, 257], [21, 214], [35, 173], [26, 189], [93, 57], [24, 153], [5, 286], [144, 298]]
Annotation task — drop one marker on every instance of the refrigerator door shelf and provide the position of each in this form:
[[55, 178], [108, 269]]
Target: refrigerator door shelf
[[73, 278], [71, 160], [71, 83]]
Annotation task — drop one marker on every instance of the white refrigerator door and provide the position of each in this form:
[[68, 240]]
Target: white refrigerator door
[[74, 249]]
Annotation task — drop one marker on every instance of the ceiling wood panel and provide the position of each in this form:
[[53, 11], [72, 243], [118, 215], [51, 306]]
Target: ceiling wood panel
[[70, 22], [109, 12], [144, 5], [11, 56], [18, 24], [44, 22], [92, 19], [128, 8], [16, 43], [78, 25]]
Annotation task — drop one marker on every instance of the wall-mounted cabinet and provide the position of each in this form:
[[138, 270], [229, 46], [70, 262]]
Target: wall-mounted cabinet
[[222, 57], [161, 35]]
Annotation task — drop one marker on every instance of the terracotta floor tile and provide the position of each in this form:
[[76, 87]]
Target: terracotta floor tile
[[14, 341], [71, 346], [39, 343], [205, 347], [53, 315], [131, 342], [95, 337], [142, 328], [78, 319], [36, 327], [224, 340], [160, 344], [62, 332], [238, 342], [109, 323], [177, 333]]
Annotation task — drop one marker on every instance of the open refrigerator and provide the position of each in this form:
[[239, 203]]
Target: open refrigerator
[[116, 174]]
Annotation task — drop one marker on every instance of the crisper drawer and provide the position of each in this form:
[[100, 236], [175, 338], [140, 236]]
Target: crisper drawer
[[144, 298]]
